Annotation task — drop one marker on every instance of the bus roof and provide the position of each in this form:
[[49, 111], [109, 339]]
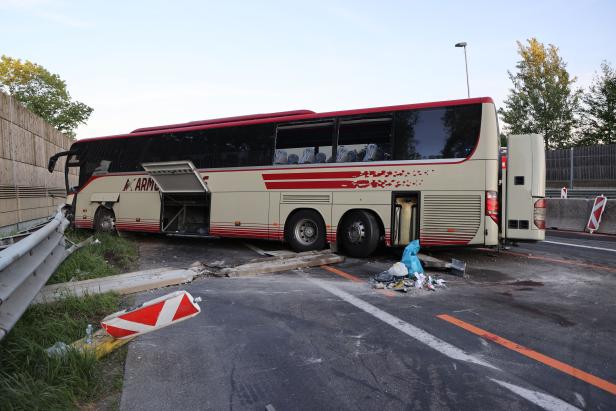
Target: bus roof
[[224, 120], [295, 115]]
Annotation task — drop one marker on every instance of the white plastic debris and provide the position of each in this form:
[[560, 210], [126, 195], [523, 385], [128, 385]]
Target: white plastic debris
[[398, 270], [420, 280], [57, 350], [96, 241]]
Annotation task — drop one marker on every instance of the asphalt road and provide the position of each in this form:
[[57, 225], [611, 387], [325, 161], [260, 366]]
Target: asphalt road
[[313, 339]]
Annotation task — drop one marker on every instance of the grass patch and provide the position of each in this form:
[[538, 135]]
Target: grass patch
[[113, 255], [30, 379]]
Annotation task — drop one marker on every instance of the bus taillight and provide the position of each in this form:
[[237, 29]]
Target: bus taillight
[[492, 205], [539, 213]]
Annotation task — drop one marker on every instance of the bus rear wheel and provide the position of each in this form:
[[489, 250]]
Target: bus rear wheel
[[305, 231], [360, 234], [104, 221]]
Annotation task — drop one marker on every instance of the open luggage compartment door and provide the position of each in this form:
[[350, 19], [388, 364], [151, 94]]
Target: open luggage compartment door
[[185, 198], [176, 177]]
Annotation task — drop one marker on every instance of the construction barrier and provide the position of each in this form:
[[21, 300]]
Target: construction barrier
[[573, 214]]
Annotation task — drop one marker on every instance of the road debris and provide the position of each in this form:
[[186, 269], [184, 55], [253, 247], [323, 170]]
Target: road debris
[[275, 264], [121, 327], [400, 277], [409, 257], [122, 284], [152, 315]]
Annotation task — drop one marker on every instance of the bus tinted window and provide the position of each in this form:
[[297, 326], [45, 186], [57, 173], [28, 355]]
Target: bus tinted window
[[304, 144], [437, 133], [364, 140], [213, 148]]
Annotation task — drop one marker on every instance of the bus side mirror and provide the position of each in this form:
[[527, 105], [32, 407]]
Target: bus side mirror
[[54, 159], [52, 163]]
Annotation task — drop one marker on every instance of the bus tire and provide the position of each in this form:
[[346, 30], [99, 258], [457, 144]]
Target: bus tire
[[360, 233], [104, 222], [305, 231]]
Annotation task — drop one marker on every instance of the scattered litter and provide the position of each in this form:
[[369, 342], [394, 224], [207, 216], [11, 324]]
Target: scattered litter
[[407, 274], [57, 350], [96, 241], [420, 278], [399, 270], [89, 332], [439, 282], [384, 277]]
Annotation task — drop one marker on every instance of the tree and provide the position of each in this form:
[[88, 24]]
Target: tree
[[542, 99], [599, 122], [43, 93]]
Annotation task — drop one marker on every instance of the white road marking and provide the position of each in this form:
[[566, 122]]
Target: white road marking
[[580, 246], [544, 401], [255, 249], [410, 330]]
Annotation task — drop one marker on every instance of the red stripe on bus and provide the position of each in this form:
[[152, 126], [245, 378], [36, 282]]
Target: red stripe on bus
[[303, 185], [312, 176]]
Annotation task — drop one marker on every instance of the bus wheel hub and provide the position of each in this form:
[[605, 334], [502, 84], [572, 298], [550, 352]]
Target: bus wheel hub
[[306, 231], [356, 232]]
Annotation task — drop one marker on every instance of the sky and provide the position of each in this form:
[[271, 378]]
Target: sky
[[145, 63]]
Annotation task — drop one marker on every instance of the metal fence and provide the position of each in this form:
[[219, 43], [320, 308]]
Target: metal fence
[[589, 166]]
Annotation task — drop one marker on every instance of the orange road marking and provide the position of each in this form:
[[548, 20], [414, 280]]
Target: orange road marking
[[354, 278], [561, 261], [342, 274], [551, 362]]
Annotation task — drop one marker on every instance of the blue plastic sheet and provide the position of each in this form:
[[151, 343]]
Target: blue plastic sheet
[[410, 259]]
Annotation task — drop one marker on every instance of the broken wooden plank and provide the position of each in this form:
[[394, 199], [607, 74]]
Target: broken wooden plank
[[302, 260], [122, 284]]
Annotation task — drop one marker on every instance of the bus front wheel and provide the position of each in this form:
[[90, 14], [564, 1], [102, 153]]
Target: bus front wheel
[[360, 234], [305, 231], [104, 221]]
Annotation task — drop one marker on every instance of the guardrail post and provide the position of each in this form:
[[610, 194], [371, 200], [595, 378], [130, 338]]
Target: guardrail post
[[571, 168]]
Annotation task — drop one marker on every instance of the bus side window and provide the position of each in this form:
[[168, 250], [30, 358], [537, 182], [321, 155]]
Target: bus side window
[[364, 140], [437, 133], [308, 143]]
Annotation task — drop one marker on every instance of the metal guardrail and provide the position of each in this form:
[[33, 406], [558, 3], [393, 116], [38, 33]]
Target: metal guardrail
[[26, 266]]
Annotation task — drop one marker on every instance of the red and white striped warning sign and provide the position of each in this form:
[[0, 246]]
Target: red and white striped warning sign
[[563, 192], [596, 213], [152, 315]]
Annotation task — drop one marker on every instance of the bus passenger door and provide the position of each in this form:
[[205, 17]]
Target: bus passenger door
[[185, 197], [524, 217]]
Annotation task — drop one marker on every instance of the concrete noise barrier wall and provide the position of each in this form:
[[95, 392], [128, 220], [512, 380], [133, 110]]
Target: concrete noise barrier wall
[[28, 192], [572, 214]]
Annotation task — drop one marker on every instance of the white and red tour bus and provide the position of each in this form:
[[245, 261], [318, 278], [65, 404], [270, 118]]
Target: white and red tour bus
[[354, 179]]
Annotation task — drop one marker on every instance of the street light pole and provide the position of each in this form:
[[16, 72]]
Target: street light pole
[[468, 88]]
